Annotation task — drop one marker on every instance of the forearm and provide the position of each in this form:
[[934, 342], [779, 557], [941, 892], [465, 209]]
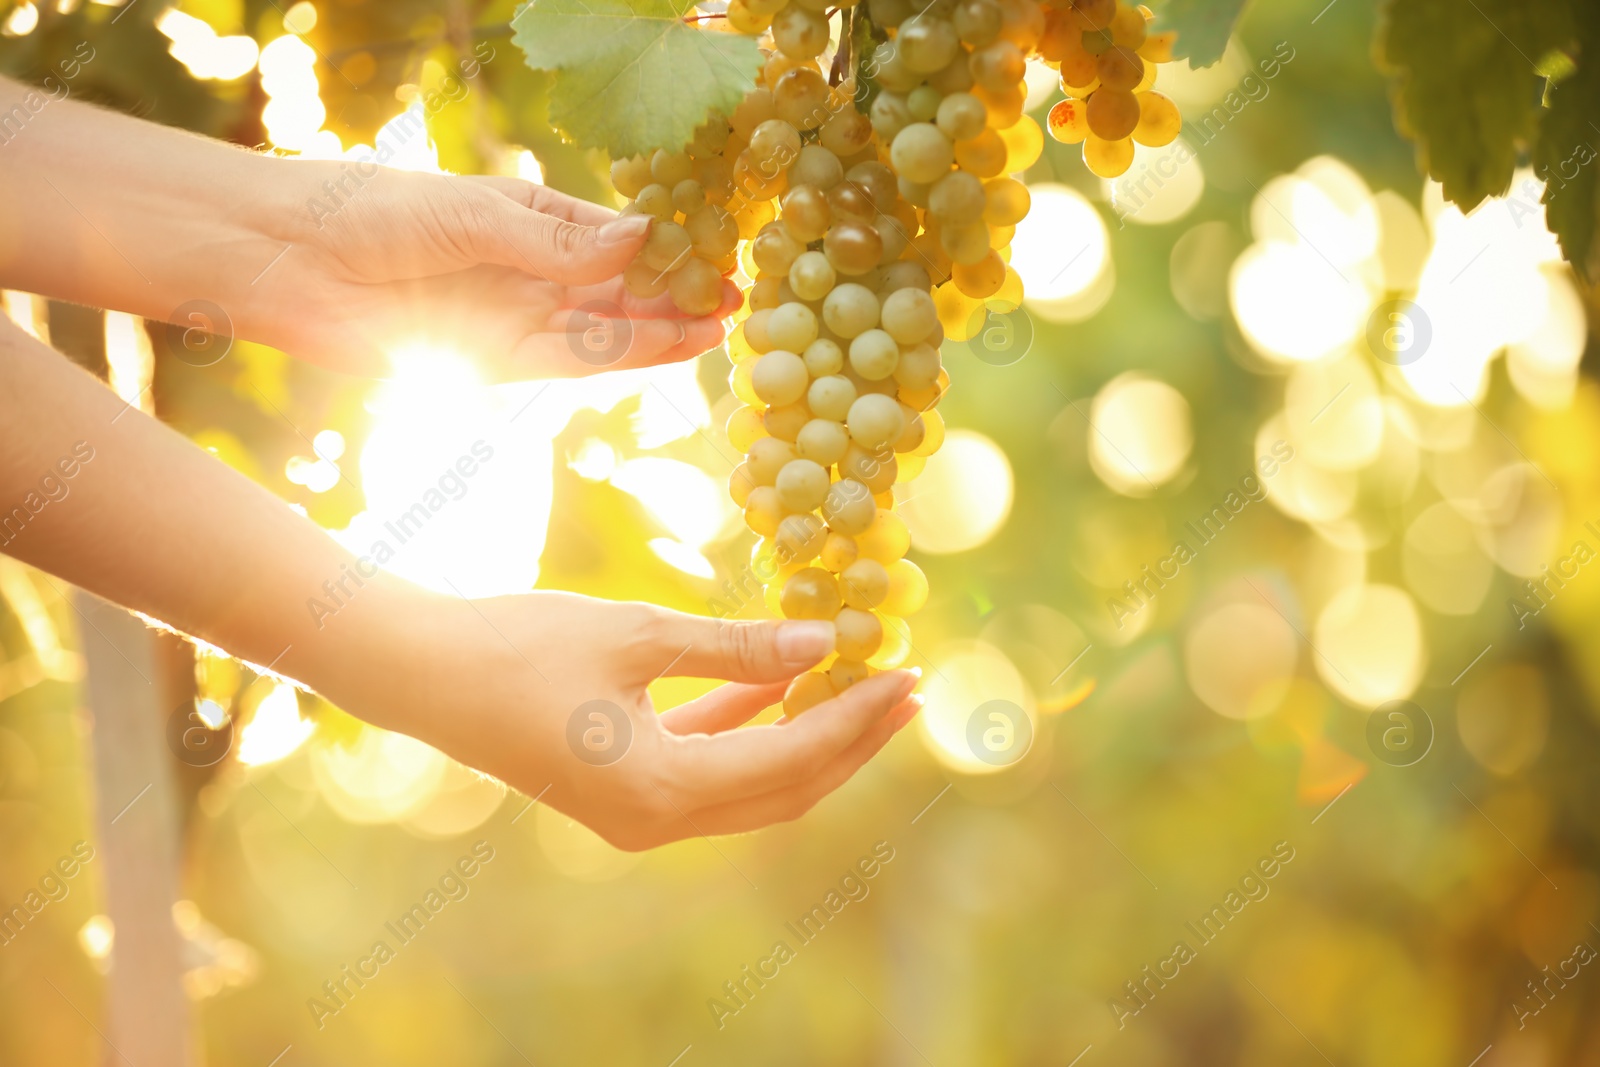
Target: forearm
[[114, 212], [148, 520]]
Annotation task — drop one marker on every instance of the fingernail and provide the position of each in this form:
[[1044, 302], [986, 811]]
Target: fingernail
[[916, 672], [804, 642], [917, 701], [625, 228]]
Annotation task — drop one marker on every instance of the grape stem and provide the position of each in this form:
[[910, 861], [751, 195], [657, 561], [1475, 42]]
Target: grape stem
[[702, 18]]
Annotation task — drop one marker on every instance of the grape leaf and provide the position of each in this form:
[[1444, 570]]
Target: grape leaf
[[631, 76], [1567, 156], [1203, 27], [1466, 87]]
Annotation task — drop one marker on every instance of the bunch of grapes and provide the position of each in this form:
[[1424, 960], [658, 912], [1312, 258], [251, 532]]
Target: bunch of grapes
[[872, 215], [1107, 58]]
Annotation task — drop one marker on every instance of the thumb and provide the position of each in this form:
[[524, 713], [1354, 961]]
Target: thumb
[[554, 249], [693, 646]]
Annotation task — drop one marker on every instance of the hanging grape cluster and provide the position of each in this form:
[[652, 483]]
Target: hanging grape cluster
[[872, 213]]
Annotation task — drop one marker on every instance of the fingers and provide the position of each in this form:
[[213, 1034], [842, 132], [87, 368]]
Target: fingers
[[736, 650], [502, 231], [784, 805], [544, 199], [722, 708], [579, 346], [705, 771]]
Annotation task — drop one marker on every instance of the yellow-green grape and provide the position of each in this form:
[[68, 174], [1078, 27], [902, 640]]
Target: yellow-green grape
[[850, 309], [799, 33], [746, 429], [873, 355], [910, 437], [785, 421], [909, 316], [838, 552], [907, 590], [1159, 121], [755, 331], [889, 114], [630, 175], [739, 382], [655, 200], [896, 647], [1069, 122], [643, 280], [848, 507], [799, 538], [765, 294], [1004, 107], [667, 246], [806, 213], [890, 70], [927, 44], [763, 510], [921, 152], [745, 21], [757, 107], [830, 397], [998, 66], [875, 421], [712, 231], [875, 470], [864, 584], [847, 672], [1119, 68], [961, 116], [977, 280], [852, 202], [801, 98], [886, 541], [811, 276], [811, 593], [1128, 27], [906, 274], [956, 198], [809, 689], [1024, 142], [823, 441], [766, 457], [1009, 296], [966, 243], [740, 485], [670, 168], [852, 247], [1023, 23], [802, 484], [932, 434], [792, 327], [774, 250], [696, 287], [918, 366], [1107, 159], [1077, 66], [983, 156], [822, 358], [977, 22], [846, 132], [688, 196], [857, 633], [923, 103], [1113, 113], [1157, 47], [817, 166], [1006, 202], [779, 378]]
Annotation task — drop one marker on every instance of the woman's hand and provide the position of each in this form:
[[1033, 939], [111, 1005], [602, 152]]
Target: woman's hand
[[547, 691], [524, 279]]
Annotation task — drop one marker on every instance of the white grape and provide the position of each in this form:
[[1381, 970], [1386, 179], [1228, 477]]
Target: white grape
[[793, 327], [909, 315], [779, 378], [823, 441], [875, 421], [802, 484], [823, 357], [830, 397], [873, 354], [850, 309]]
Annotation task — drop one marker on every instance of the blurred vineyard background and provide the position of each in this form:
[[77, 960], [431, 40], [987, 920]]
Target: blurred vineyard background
[[1179, 333]]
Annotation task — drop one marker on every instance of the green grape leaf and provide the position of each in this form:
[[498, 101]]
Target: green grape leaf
[[631, 76], [1466, 86], [1203, 27], [1567, 157]]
